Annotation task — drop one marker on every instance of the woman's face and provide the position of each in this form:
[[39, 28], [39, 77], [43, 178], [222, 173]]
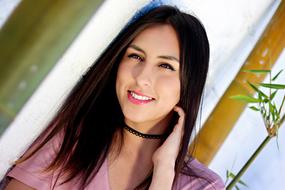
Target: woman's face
[[148, 84]]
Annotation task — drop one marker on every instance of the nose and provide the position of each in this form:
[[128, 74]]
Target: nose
[[143, 75]]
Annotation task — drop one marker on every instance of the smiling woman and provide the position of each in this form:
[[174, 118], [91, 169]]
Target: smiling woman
[[128, 121], [148, 84]]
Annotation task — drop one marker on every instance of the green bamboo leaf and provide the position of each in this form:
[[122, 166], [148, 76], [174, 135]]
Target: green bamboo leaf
[[264, 115], [237, 188], [275, 77], [231, 175], [273, 86], [273, 95], [228, 175], [242, 183], [254, 108], [257, 71], [277, 115], [275, 108], [257, 90], [259, 97], [282, 103], [244, 98], [271, 110]]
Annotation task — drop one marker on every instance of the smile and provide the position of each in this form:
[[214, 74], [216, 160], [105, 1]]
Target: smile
[[138, 99]]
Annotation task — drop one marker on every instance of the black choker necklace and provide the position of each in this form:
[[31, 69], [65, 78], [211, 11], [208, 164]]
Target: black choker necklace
[[142, 135]]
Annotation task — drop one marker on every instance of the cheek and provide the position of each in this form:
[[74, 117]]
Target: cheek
[[169, 89], [123, 77]]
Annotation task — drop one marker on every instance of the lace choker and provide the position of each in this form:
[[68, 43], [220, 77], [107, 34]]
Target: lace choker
[[142, 135]]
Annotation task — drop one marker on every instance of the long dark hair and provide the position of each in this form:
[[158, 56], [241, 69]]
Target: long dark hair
[[88, 122]]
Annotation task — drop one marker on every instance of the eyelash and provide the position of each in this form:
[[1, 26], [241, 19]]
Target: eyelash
[[135, 56], [164, 65]]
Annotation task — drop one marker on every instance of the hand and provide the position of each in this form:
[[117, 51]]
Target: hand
[[164, 157], [167, 153]]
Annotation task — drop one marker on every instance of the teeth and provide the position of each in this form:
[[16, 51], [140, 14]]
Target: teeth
[[140, 97]]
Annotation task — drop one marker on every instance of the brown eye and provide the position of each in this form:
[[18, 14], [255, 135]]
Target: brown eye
[[167, 66], [136, 57]]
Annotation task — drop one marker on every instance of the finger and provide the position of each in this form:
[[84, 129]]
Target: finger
[[180, 112], [178, 129], [181, 119]]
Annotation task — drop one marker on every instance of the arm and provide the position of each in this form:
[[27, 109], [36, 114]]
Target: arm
[[162, 178], [165, 156], [17, 185]]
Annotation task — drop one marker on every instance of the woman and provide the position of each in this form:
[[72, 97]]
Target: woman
[[128, 121]]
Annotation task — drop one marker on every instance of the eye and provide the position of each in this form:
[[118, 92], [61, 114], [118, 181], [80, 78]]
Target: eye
[[135, 56], [167, 66]]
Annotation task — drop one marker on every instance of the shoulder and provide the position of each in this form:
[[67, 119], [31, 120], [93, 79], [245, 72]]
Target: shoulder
[[32, 171], [196, 176]]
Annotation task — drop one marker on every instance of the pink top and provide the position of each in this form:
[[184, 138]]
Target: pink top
[[29, 172]]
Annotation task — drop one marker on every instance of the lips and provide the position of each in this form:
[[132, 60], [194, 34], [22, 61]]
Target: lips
[[138, 98]]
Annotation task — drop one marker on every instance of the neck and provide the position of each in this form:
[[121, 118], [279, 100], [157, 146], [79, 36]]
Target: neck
[[154, 127], [137, 148]]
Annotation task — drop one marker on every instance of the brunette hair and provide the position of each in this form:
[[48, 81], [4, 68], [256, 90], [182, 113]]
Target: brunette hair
[[88, 122]]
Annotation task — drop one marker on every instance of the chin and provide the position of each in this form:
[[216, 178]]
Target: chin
[[136, 119], [140, 118]]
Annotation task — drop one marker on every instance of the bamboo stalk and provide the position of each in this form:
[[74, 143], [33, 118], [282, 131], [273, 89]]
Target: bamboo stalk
[[248, 163], [252, 158]]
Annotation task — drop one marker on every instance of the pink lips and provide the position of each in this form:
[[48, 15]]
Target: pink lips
[[136, 101]]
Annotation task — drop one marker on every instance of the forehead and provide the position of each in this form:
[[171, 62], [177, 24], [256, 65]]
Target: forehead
[[158, 39]]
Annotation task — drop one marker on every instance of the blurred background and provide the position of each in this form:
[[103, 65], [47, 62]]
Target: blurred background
[[46, 46]]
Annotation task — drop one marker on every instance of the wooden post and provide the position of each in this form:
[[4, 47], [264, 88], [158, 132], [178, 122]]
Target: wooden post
[[227, 111]]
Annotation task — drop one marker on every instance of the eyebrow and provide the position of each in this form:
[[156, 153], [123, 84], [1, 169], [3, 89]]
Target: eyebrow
[[169, 57]]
